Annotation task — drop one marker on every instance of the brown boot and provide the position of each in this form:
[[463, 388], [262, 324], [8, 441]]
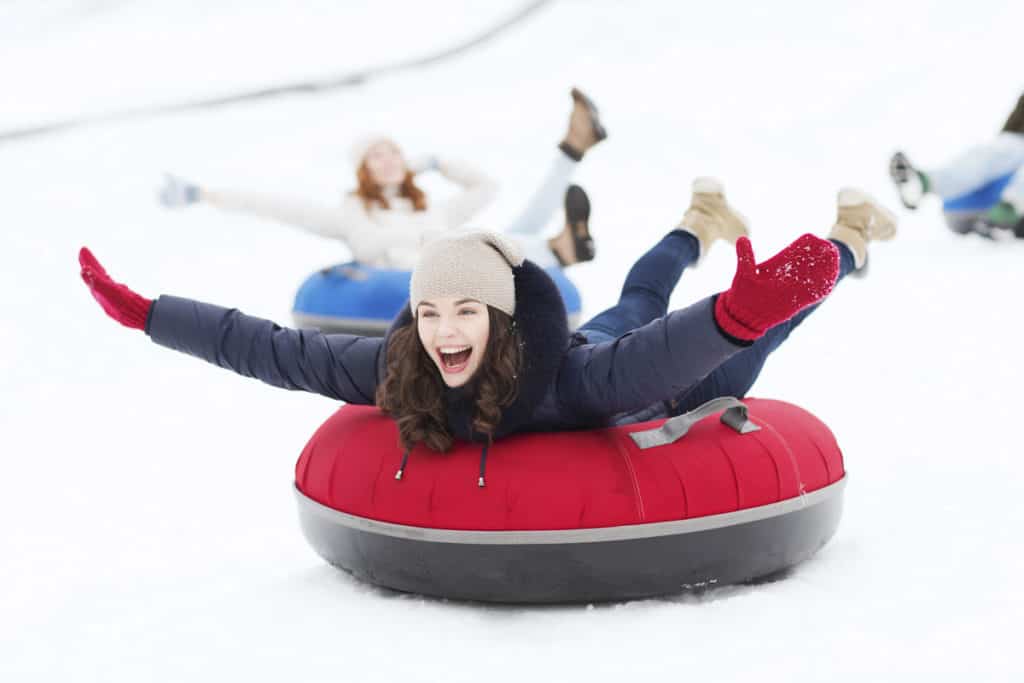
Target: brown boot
[[861, 219], [574, 244], [585, 129], [1015, 123], [710, 218]]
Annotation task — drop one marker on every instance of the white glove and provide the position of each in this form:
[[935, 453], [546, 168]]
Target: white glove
[[177, 192]]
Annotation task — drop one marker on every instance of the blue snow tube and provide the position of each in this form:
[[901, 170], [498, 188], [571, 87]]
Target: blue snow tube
[[981, 199], [358, 299], [963, 212]]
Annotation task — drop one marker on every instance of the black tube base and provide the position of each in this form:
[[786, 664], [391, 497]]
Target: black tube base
[[575, 572]]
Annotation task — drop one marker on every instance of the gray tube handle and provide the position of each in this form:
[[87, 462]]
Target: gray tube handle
[[672, 430]]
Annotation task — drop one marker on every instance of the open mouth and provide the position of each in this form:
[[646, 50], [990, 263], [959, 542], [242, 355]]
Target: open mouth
[[454, 359]]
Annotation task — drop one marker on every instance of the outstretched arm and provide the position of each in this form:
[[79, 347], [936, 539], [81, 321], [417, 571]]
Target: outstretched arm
[[343, 367], [653, 363], [342, 222], [336, 222], [661, 360]]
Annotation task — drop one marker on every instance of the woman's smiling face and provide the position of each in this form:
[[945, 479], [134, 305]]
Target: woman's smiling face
[[454, 332], [386, 164]]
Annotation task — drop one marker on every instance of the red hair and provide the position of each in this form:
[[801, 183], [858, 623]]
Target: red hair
[[372, 193]]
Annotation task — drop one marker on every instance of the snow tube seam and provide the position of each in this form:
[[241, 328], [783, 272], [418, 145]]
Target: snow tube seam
[[789, 451], [637, 495]]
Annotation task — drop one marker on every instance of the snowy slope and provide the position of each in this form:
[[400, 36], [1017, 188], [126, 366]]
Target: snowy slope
[[126, 558]]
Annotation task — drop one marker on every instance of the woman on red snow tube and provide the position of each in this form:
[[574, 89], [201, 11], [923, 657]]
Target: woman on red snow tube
[[484, 352]]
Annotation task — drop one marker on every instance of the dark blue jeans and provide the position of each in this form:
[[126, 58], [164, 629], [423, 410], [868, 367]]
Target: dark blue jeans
[[645, 296], [647, 288]]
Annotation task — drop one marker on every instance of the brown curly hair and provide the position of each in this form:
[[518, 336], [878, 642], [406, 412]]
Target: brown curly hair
[[413, 392], [372, 193]]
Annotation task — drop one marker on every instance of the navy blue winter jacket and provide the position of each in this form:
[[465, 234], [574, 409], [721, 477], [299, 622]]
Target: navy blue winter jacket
[[566, 383]]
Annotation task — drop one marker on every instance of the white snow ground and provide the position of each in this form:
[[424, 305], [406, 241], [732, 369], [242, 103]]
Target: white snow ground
[[146, 516]]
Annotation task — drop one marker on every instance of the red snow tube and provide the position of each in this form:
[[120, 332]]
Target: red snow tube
[[606, 514]]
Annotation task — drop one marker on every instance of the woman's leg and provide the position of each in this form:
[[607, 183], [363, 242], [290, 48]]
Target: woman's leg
[[585, 131], [545, 200], [860, 220], [574, 243], [650, 282], [737, 375], [647, 288], [978, 166]]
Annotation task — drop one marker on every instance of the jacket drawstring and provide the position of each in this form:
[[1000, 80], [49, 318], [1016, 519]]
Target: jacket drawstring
[[483, 466], [401, 468]]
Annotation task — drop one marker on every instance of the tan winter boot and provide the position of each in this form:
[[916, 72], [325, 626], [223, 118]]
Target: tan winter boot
[[585, 129], [574, 244], [861, 219], [710, 218]]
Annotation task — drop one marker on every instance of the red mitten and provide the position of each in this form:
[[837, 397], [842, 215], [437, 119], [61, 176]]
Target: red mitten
[[766, 294], [120, 303]]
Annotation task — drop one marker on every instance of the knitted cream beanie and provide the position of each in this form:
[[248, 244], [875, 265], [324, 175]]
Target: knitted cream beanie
[[476, 265], [357, 152]]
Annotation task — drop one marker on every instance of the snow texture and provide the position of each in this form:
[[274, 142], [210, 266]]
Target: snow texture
[[148, 528]]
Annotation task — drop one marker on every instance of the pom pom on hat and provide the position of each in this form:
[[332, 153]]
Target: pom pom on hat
[[475, 265]]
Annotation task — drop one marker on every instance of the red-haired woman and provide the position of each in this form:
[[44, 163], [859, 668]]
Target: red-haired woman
[[484, 350], [387, 218]]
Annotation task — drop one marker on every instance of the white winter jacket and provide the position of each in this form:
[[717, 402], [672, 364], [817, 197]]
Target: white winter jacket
[[386, 238]]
